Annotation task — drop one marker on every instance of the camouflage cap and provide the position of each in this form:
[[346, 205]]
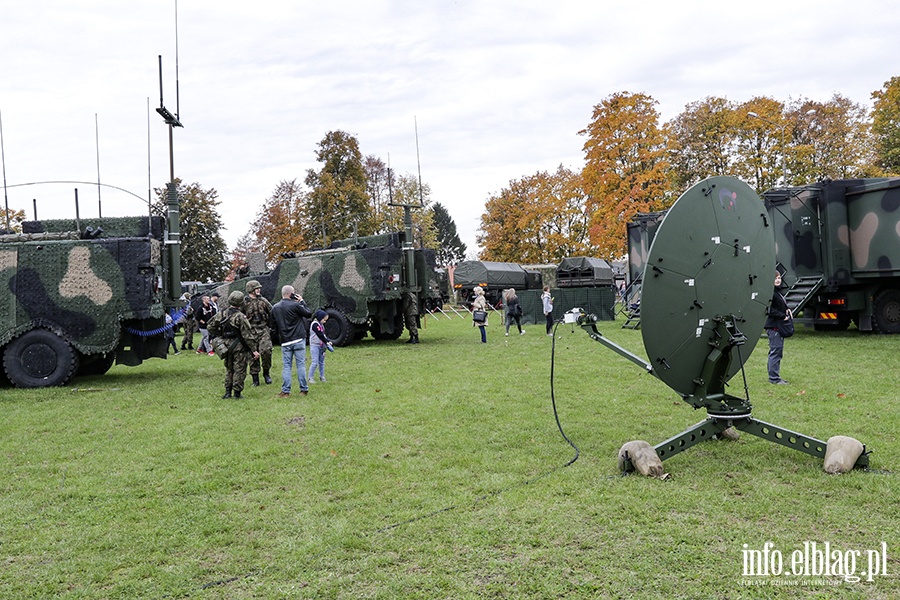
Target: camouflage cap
[[253, 285], [236, 298]]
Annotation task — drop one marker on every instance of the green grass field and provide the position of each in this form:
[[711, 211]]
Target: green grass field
[[437, 471]]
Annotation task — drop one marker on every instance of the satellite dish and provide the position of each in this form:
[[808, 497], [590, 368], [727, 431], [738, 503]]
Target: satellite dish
[[713, 256], [706, 286]]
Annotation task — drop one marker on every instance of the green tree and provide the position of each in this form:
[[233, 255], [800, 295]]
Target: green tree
[[203, 251], [279, 224], [337, 202], [450, 249], [626, 169], [886, 127]]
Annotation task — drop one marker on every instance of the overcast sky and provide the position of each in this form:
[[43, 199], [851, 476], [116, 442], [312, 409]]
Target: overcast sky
[[499, 89]]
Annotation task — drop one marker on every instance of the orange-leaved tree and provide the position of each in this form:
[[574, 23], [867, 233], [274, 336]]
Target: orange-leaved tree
[[537, 219], [625, 170], [278, 226]]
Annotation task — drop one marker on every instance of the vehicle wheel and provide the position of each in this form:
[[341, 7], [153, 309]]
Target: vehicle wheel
[[96, 364], [338, 327], [39, 358], [886, 316]]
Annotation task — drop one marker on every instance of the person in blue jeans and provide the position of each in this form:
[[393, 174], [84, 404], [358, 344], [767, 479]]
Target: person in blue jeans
[[289, 317], [318, 343]]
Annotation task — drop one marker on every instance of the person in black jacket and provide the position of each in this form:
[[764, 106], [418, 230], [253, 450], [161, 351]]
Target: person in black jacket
[[778, 311], [289, 318]]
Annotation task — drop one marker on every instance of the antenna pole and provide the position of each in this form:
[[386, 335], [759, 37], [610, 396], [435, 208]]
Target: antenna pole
[[177, 95], [418, 162], [3, 153], [97, 141]]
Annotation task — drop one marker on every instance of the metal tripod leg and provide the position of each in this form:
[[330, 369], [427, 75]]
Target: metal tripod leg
[[792, 439], [713, 425], [702, 431]]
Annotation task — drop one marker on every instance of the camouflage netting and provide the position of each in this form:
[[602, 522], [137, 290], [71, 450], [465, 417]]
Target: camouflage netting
[[116, 227], [342, 278], [79, 289]]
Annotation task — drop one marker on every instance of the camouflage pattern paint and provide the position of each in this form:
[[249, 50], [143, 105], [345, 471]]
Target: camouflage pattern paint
[[362, 278], [87, 292]]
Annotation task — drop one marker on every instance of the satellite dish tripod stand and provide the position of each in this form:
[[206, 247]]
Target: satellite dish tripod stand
[[723, 410]]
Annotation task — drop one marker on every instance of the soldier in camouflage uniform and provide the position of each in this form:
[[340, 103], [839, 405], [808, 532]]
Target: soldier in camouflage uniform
[[411, 315], [258, 310], [233, 325], [189, 323]]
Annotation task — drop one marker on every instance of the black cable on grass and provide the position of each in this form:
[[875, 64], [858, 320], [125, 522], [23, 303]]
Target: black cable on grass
[[480, 498]]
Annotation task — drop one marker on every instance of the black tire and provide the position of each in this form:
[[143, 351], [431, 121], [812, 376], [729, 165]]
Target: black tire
[[96, 364], [886, 315], [338, 327], [39, 358]]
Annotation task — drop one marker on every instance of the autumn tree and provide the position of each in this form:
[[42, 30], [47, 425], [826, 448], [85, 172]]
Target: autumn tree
[[886, 127], [702, 142], [337, 204], [762, 136], [378, 186], [203, 251], [625, 170], [280, 223], [537, 219], [828, 140], [11, 220], [450, 249]]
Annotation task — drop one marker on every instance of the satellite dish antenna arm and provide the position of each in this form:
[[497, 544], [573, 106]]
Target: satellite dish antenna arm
[[589, 324]]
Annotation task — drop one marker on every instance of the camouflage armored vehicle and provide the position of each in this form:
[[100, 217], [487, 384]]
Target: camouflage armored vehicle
[[359, 282], [79, 296], [838, 245]]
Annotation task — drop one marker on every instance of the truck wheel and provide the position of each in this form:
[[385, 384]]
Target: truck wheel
[[886, 316], [39, 358], [338, 327]]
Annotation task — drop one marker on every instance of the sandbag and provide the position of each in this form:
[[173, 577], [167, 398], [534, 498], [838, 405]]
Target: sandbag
[[841, 454], [643, 458]]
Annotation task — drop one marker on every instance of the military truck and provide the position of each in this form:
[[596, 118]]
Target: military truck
[[838, 246], [80, 295], [359, 282], [493, 278]]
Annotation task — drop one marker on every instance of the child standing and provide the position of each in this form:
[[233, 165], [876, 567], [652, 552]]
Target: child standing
[[318, 343], [170, 334]]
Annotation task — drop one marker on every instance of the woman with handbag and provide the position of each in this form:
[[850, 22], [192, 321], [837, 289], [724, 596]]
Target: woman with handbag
[[513, 310], [779, 318], [479, 313]]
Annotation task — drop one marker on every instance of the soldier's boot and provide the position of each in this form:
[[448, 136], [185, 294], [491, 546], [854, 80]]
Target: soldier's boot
[[413, 339], [237, 395], [255, 377], [227, 393], [266, 377]]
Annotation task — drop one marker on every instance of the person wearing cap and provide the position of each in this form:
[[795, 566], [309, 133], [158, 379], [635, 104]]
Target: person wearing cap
[[233, 326], [258, 309], [289, 318], [318, 343]]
